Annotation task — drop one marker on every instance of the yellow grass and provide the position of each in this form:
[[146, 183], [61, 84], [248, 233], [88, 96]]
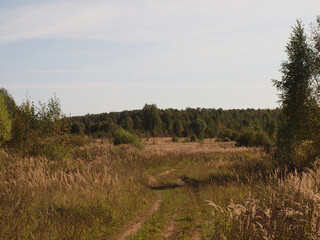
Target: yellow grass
[[97, 192], [164, 145]]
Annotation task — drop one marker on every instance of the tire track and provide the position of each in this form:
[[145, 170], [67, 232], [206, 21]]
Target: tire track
[[137, 223]]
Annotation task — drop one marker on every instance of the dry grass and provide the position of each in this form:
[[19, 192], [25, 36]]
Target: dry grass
[[86, 197], [91, 195], [283, 209], [97, 192], [164, 146]]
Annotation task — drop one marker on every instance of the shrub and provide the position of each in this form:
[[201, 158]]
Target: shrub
[[262, 139], [226, 139], [41, 130], [175, 139], [251, 138], [201, 137], [122, 136], [232, 135], [246, 139], [193, 138]]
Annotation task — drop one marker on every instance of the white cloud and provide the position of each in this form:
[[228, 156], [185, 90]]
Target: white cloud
[[173, 21], [197, 47]]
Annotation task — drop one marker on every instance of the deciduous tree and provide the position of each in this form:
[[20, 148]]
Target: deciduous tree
[[5, 122], [297, 101]]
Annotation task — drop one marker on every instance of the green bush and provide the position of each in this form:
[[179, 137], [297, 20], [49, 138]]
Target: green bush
[[246, 139], [252, 138], [122, 136], [193, 138], [226, 139], [175, 139], [229, 134], [41, 130], [201, 137], [262, 139]]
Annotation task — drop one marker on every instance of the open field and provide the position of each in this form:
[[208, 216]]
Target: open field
[[165, 145], [169, 129], [164, 191]]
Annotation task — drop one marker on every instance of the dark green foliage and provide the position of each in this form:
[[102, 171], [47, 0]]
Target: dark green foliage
[[299, 127], [77, 128], [209, 123], [247, 139], [201, 137], [137, 123], [178, 128], [199, 126], [262, 139], [252, 138], [127, 123], [271, 128], [226, 139], [9, 102], [41, 130], [167, 121], [175, 139], [193, 138], [229, 134], [122, 136], [151, 119]]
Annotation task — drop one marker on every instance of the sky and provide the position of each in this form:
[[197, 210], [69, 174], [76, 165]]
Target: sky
[[113, 55]]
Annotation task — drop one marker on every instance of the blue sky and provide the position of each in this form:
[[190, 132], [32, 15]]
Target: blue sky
[[102, 56]]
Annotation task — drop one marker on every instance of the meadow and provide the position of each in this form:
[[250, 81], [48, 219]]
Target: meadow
[[165, 190]]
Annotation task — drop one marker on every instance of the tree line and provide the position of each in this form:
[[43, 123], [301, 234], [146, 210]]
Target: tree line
[[199, 122], [43, 129]]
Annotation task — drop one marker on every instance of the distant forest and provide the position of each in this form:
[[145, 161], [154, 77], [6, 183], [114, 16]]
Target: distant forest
[[201, 122]]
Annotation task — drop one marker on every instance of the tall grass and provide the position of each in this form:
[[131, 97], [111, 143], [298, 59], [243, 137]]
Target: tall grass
[[285, 208], [88, 197], [238, 192]]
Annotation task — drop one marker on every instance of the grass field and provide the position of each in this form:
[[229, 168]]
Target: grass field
[[184, 190]]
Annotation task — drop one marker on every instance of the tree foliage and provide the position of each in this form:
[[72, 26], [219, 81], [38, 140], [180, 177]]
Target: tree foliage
[[122, 136], [40, 130], [9, 102], [151, 119], [5, 122], [207, 123], [300, 106]]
